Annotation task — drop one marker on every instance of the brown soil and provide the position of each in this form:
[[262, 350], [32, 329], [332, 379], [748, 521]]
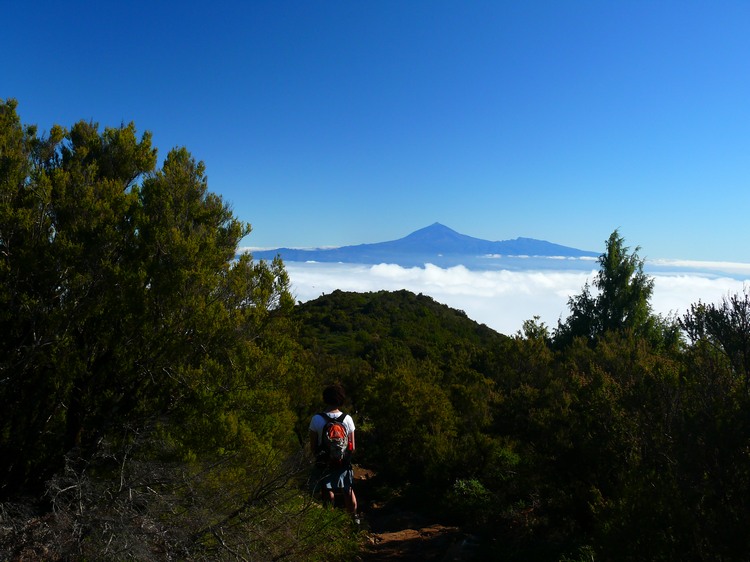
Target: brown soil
[[393, 533]]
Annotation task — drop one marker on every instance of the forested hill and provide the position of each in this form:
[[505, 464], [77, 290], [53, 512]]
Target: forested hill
[[401, 354], [351, 324], [410, 365]]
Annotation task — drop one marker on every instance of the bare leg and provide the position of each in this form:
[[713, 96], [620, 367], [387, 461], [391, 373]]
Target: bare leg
[[351, 501]]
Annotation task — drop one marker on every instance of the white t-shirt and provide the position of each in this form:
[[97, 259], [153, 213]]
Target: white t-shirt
[[317, 423]]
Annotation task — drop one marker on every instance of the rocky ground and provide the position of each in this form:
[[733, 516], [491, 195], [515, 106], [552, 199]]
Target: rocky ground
[[394, 533]]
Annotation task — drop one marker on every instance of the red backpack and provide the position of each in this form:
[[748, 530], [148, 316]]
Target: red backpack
[[334, 444]]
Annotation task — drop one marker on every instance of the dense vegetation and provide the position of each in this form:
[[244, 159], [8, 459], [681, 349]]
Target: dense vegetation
[[145, 373], [613, 438], [156, 390]]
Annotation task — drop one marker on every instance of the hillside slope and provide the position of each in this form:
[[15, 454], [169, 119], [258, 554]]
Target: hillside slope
[[350, 324], [412, 367]]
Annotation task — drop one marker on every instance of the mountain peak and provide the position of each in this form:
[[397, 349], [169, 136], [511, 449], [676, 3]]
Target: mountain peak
[[439, 238], [435, 229], [436, 244], [438, 226]]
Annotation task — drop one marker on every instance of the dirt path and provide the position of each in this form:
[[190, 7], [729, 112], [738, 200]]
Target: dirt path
[[395, 534]]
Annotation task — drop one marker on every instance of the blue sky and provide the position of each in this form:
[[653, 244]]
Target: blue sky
[[332, 123]]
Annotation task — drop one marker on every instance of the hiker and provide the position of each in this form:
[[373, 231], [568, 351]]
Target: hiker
[[332, 444]]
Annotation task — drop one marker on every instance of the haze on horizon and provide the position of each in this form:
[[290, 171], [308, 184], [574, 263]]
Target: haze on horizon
[[505, 291], [504, 299]]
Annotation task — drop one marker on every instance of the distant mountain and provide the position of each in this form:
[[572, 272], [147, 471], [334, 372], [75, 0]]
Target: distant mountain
[[436, 244]]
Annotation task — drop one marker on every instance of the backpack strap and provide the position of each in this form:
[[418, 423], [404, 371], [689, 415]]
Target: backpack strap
[[328, 418]]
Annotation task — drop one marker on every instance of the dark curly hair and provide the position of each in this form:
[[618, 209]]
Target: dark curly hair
[[334, 395]]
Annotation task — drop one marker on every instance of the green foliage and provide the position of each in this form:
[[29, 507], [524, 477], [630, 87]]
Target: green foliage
[[623, 447], [121, 300], [414, 369], [156, 389], [412, 426], [725, 328], [145, 372], [469, 501], [621, 301]]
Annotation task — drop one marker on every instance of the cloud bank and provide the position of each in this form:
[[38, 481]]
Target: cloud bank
[[504, 299]]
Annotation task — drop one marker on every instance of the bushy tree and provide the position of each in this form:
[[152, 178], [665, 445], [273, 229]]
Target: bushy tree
[[726, 329], [714, 475], [145, 371], [120, 298], [620, 300]]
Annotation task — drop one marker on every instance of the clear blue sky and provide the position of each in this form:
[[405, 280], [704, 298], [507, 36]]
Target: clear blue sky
[[342, 122]]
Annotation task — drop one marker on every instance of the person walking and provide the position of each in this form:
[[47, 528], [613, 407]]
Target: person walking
[[332, 443]]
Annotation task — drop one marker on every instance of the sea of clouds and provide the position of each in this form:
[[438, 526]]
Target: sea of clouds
[[503, 299]]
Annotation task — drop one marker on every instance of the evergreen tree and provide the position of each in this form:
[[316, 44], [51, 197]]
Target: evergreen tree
[[145, 371], [121, 301], [620, 300]]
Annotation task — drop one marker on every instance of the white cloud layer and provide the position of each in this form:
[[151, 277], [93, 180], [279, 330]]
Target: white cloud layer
[[504, 299]]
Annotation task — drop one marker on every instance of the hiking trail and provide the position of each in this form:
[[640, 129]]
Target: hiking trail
[[393, 533]]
